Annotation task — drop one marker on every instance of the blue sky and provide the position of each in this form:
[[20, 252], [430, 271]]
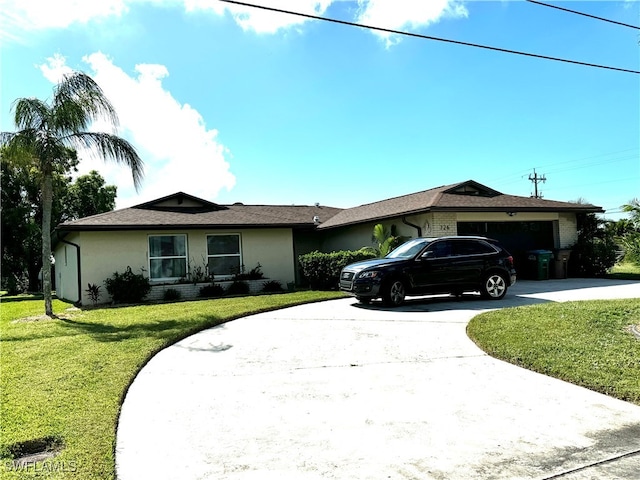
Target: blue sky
[[238, 104]]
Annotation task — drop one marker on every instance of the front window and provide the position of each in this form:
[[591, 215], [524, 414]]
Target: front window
[[167, 257], [224, 256]]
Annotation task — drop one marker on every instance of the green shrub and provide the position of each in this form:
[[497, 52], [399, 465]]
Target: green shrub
[[254, 274], [171, 295], [631, 245], [322, 270], [93, 291], [592, 258], [211, 291], [238, 287], [127, 287], [272, 286], [594, 253]]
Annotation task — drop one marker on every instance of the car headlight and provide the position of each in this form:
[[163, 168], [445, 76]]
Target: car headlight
[[369, 274]]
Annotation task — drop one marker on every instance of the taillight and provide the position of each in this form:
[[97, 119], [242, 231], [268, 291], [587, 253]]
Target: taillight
[[510, 260]]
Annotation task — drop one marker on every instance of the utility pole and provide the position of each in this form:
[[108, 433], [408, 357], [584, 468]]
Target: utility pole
[[536, 180]]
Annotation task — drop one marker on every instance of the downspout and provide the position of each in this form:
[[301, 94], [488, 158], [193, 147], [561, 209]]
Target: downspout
[[404, 220], [77, 263]]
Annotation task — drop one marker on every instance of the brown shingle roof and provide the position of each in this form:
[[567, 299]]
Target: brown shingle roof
[[224, 216], [184, 211], [467, 196]]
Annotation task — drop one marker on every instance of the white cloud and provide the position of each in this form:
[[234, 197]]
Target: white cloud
[[265, 21], [179, 152], [27, 15], [402, 14], [18, 17]]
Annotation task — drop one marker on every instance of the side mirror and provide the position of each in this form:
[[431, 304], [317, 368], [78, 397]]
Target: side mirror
[[427, 255]]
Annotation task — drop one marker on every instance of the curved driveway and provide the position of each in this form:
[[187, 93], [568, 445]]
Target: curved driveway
[[336, 390]]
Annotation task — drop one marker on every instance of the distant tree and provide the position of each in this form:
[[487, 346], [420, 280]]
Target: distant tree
[[88, 195], [631, 239], [633, 209], [620, 227], [46, 132], [21, 220]]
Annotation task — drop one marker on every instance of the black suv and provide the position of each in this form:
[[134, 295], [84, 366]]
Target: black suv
[[432, 265]]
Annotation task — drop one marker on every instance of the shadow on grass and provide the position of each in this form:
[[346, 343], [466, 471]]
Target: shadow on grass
[[104, 332]]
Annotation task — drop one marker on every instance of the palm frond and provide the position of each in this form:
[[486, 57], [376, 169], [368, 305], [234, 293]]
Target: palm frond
[[31, 113], [78, 100], [112, 147]]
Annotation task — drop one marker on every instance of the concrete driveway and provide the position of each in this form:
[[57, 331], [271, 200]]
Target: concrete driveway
[[336, 390]]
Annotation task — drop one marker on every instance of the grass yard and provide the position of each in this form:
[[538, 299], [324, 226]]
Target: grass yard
[[65, 378], [625, 271], [586, 343]]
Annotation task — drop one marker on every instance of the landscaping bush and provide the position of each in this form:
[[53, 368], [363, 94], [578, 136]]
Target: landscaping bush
[[594, 253], [272, 286], [127, 287], [254, 274], [171, 295], [631, 246], [211, 291], [322, 270], [238, 287]]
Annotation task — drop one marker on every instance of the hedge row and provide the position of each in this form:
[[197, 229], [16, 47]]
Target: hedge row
[[322, 270]]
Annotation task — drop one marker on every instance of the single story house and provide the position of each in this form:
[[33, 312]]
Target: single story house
[[172, 238]]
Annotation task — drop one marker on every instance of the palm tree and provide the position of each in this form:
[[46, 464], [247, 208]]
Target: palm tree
[[46, 131], [633, 209], [385, 240]]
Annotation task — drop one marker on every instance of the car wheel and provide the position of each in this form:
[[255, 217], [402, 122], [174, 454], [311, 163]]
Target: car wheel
[[494, 286], [364, 300], [394, 294]]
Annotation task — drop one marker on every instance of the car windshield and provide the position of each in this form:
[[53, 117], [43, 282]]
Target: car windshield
[[409, 249]]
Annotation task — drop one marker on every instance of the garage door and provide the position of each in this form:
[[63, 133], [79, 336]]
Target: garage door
[[517, 237]]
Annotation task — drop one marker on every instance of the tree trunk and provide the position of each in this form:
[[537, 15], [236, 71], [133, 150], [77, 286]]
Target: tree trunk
[[47, 201]]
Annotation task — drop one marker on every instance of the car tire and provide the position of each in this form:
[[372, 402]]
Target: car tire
[[494, 286], [364, 300], [394, 293]]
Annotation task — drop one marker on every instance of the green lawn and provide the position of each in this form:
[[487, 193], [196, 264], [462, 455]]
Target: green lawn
[[66, 378], [625, 271], [586, 343]]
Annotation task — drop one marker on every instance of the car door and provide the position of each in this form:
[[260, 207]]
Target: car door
[[430, 271], [468, 261]]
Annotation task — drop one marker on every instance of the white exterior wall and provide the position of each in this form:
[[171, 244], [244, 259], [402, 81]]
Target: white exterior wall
[[355, 237], [103, 253]]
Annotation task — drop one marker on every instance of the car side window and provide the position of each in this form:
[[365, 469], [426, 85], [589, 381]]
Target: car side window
[[472, 247], [440, 249]]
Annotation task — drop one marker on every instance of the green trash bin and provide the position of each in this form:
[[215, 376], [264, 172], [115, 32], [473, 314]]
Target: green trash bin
[[538, 263]]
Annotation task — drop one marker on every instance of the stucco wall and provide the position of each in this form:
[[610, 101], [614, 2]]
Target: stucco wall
[[103, 253], [354, 237]]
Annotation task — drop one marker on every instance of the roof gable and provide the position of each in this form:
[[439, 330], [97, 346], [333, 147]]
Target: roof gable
[[180, 202], [472, 188]]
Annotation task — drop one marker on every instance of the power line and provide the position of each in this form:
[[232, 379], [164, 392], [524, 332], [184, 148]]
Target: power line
[[428, 37], [583, 14], [516, 176]]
